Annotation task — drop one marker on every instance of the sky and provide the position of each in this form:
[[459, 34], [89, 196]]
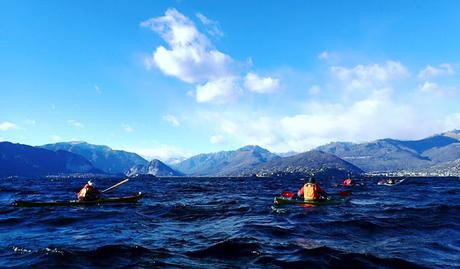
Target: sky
[[172, 79]]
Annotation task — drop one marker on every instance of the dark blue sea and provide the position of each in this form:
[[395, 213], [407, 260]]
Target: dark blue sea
[[231, 223]]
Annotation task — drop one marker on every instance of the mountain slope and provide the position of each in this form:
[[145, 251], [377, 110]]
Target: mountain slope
[[24, 160], [311, 162], [225, 162], [155, 167], [395, 155], [104, 158]]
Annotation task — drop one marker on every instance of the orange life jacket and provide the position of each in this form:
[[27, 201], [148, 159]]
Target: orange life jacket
[[311, 191], [88, 193]]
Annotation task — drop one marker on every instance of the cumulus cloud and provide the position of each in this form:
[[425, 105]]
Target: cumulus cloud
[[171, 119], [75, 124], [220, 90], [190, 56], [444, 69], [6, 125], [258, 84], [369, 118], [213, 27], [369, 76]]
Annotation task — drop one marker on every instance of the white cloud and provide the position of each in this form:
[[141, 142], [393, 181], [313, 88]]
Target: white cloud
[[314, 90], [370, 76], [212, 26], [323, 55], [444, 69], [55, 138], [75, 124], [171, 119], [164, 153], [218, 139], [373, 117], [127, 128], [433, 87], [2, 139], [221, 90], [6, 125], [260, 84], [191, 57]]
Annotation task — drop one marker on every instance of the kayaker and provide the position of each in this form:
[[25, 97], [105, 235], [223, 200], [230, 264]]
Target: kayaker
[[89, 192], [348, 182], [311, 190]]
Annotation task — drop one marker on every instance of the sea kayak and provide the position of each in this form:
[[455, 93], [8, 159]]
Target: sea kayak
[[385, 183], [112, 200], [279, 200]]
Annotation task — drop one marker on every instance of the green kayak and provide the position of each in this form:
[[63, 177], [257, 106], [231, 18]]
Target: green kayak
[[113, 200], [329, 201]]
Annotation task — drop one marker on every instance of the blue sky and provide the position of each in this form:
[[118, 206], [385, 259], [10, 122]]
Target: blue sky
[[177, 78]]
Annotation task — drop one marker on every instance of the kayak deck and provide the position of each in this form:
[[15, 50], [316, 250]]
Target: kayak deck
[[330, 201], [126, 199]]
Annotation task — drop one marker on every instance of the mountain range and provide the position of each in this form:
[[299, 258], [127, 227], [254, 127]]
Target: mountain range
[[435, 154], [388, 155], [225, 163], [104, 158], [28, 161]]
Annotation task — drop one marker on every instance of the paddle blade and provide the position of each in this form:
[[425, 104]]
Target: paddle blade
[[287, 194]]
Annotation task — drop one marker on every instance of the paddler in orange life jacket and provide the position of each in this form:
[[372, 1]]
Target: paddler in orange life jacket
[[311, 190], [88, 192]]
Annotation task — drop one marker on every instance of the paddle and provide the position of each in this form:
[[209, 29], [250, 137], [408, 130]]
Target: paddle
[[116, 185]]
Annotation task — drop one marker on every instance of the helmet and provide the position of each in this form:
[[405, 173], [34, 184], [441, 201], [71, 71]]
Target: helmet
[[311, 180], [91, 183]]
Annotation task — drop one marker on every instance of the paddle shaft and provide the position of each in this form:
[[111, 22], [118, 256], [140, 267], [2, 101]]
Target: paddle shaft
[[116, 185]]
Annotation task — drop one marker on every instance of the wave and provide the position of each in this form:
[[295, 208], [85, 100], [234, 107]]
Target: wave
[[105, 256], [325, 257], [229, 249]]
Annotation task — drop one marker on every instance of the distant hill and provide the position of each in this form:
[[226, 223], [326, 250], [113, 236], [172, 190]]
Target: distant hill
[[155, 168], [308, 163], [395, 155], [102, 157], [24, 160], [225, 162]]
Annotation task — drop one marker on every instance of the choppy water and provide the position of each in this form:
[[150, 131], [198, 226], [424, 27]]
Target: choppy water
[[220, 222]]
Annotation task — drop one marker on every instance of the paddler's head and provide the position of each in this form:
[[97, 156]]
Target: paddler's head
[[311, 180], [90, 183]]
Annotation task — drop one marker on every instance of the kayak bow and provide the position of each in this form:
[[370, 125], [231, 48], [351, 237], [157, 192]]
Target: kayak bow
[[329, 201], [112, 200]]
